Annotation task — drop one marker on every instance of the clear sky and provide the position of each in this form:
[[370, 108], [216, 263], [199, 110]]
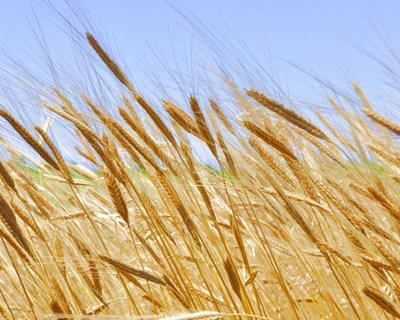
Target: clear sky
[[313, 34], [319, 36]]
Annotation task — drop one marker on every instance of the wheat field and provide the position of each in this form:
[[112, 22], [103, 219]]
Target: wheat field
[[300, 220]]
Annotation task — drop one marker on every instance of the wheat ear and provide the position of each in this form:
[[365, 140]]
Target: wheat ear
[[203, 126], [29, 138], [110, 63], [381, 301], [61, 162], [270, 139], [8, 217], [287, 114], [156, 119], [136, 272], [182, 118], [116, 195], [6, 177], [221, 116], [395, 128]]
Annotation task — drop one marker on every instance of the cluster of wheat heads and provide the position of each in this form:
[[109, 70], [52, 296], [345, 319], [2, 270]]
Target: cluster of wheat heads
[[288, 228]]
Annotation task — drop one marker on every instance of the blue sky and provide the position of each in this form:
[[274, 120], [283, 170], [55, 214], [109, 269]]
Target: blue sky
[[318, 36], [313, 34], [310, 33]]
